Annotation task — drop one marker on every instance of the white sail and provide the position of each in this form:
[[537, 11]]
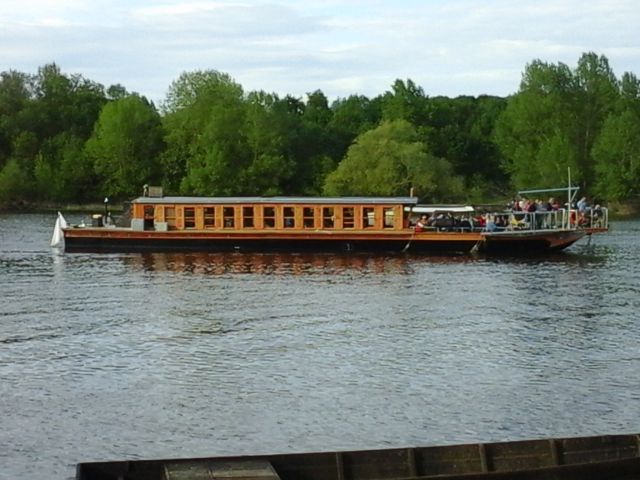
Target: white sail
[[58, 235]]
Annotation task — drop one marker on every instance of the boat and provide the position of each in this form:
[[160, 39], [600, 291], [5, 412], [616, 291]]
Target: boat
[[320, 224], [600, 457]]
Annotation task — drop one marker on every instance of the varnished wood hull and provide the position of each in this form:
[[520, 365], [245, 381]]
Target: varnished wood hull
[[595, 458], [127, 240]]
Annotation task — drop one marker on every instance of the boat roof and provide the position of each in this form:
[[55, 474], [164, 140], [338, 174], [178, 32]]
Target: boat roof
[[441, 208], [280, 200]]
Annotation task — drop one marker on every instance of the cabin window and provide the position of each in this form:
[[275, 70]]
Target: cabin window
[[269, 217], [228, 216], [389, 216], [209, 217], [308, 217], [189, 217], [368, 217], [328, 217], [348, 217], [170, 217], [289, 214], [247, 217], [148, 217]]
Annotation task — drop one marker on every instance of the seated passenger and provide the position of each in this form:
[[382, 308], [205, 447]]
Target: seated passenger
[[422, 223]]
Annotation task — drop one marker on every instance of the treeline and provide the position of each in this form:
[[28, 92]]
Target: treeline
[[64, 138]]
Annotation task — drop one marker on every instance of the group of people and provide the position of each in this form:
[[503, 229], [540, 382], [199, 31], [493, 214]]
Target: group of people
[[522, 213], [527, 205], [442, 221], [582, 213]]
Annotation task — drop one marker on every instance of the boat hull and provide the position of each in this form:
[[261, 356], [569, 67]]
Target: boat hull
[[127, 240], [529, 241], [599, 457]]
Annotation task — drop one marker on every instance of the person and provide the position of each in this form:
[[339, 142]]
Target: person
[[421, 224], [582, 205], [598, 216]]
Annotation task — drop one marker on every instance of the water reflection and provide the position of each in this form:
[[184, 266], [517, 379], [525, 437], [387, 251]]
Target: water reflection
[[267, 263], [332, 263]]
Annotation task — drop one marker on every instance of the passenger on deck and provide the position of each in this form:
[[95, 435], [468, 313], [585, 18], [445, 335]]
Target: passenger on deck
[[490, 224], [598, 216], [422, 223], [582, 205], [583, 208]]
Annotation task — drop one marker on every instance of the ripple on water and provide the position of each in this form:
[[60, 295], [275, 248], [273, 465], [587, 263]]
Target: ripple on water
[[201, 354]]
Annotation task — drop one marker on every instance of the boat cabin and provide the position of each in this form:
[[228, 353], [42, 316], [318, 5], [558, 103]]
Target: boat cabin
[[271, 213]]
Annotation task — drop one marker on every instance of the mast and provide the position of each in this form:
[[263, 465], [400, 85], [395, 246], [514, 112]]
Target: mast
[[569, 198]]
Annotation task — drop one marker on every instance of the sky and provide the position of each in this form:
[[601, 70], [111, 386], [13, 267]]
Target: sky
[[447, 47]]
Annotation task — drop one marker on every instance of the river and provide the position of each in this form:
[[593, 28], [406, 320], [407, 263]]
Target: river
[[114, 356]]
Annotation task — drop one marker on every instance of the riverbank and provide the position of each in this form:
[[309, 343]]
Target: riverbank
[[626, 210], [46, 207]]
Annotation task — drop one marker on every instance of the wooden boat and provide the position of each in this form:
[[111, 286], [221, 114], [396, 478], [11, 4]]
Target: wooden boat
[[599, 457], [299, 224]]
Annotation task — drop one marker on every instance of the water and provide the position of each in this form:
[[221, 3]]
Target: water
[[145, 356]]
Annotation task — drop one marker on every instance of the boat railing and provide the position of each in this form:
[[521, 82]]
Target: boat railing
[[596, 218]]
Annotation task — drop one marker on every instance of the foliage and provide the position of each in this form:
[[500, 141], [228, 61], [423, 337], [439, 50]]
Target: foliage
[[64, 138], [125, 146], [553, 121], [617, 149], [391, 160]]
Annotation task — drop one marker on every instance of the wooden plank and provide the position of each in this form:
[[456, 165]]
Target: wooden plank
[[249, 469]]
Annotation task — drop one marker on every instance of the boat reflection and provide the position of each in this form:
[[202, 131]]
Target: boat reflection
[[285, 263]]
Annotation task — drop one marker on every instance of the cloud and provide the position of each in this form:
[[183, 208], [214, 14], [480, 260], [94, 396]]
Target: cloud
[[342, 47]]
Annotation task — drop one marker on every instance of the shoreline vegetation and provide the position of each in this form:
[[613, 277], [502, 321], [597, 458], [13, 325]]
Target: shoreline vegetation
[[617, 210], [67, 140]]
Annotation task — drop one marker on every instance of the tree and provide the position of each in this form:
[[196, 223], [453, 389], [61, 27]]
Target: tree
[[390, 160], [126, 145], [316, 149], [204, 118], [536, 132], [617, 148], [265, 133], [406, 101], [14, 97], [553, 121], [597, 95]]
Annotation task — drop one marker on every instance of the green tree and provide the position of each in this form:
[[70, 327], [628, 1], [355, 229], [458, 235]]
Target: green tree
[[617, 148], [205, 114], [597, 94], [269, 168], [406, 101], [15, 184], [15, 95], [390, 160], [554, 119], [126, 145], [311, 144]]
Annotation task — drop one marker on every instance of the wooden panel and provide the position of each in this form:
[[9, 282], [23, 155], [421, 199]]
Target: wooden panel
[[519, 455], [454, 459], [219, 470], [594, 449], [320, 466], [180, 218], [377, 464]]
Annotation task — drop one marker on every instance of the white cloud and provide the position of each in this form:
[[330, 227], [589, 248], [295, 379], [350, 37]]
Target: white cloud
[[341, 47]]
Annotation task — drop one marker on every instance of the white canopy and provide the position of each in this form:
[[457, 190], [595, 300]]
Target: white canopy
[[440, 208]]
